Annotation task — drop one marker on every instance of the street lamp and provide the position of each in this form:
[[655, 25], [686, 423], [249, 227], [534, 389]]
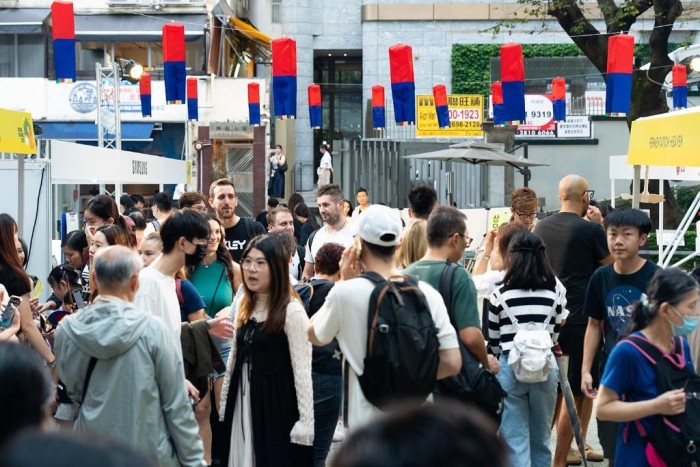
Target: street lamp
[[130, 71], [695, 64]]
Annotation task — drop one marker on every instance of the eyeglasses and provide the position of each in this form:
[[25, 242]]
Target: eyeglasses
[[468, 239], [526, 215], [260, 264], [590, 193]]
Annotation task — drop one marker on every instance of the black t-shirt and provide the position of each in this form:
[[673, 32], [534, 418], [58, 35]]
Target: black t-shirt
[[610, 299], [15, 284], [237, 237], [575, 248], [262, 218], [327, 359]]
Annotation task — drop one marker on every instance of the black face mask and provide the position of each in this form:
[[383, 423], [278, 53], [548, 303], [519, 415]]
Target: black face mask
[[195, 258]]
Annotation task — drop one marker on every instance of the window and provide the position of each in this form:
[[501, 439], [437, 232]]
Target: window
[[30, 50], [276, 6]]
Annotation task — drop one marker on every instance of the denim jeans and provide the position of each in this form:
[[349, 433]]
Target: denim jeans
[[527, 417], [327, 394]]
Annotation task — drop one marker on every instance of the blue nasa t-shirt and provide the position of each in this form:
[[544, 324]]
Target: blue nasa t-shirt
[[610, 298]]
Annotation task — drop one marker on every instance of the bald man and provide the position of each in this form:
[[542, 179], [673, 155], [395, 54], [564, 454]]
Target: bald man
[[576, 247]]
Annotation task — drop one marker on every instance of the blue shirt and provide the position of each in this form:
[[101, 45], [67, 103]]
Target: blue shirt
[[631, 375], [191, 300]]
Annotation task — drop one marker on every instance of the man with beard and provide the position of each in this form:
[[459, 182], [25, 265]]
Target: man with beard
[[576, 248], [239, 230], [337, 228]]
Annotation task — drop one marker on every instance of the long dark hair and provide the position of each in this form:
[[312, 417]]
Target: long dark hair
[[294, 200], [281, 291], [667, 286], [115, 235], [8, 249], [104, 207], [528, 267], [222, 253]]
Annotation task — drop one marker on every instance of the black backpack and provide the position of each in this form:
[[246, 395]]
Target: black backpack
[[474, 383], [675, 438], [402, 354], [306, 292]]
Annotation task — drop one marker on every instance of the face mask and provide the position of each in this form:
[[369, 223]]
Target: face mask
[[195, 258], [688, 326]]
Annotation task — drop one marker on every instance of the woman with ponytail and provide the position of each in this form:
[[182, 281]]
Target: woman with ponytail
[[628, 390]]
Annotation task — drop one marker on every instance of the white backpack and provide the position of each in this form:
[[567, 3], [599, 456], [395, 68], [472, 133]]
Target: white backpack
[[531, 357]]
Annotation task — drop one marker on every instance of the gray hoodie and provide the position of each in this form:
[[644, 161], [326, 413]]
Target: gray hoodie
[[137, 391]]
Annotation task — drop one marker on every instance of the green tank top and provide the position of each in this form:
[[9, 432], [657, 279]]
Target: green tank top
[[213, 285]]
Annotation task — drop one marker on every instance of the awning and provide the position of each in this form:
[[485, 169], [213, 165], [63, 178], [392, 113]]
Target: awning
[[134, 28], [22, 20], [86, 131], [224, 12]]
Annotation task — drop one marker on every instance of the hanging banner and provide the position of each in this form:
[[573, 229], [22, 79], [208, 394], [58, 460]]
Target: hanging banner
[[16, 132], [466, 112]]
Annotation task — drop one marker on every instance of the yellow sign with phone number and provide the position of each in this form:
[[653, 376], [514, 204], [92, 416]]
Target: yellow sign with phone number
[[466, 116]]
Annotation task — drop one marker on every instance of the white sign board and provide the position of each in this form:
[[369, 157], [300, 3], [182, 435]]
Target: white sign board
[[74, 163], [620, 170]]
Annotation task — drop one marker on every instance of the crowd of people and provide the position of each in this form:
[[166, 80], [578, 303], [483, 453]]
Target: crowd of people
[[194, 336]]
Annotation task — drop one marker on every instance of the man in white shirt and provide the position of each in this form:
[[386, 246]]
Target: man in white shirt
[[337, 228], [344, 314]]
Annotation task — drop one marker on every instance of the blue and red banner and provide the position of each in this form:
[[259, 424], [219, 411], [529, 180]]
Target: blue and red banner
[[314, 94], [513, 83], [192, 99], [378, 107], [284, 77], [497, 102], [618, 85], [680, 86], [63, 33], [403, 86], [254, 104], [441, 108], [559, 99], [145, 94], [174, 63]]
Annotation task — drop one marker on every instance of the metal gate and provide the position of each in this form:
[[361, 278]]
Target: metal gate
[[239, 168], [379, 166]]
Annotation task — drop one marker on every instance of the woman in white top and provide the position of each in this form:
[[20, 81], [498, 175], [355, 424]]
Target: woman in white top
[[278, 166], [325, 168], [267, 397], [495, 255]]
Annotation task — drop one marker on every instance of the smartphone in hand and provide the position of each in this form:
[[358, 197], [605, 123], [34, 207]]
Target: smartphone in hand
[[8, 314]]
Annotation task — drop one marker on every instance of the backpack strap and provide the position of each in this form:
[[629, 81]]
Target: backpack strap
[[512, 317], [249, 226], [445, 287], [301, 251], [310, 241], [178, 291], [156, 225], [88, 375], [653, 354]]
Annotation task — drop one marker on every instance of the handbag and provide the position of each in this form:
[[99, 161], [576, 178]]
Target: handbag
[[474, 383], [283, 168]]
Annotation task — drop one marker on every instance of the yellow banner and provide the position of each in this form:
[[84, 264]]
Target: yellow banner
[[671, 139], [466, 115], [16, 132], [498, 217]]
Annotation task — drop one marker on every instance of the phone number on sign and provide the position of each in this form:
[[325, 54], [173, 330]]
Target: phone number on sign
[[465, 114]]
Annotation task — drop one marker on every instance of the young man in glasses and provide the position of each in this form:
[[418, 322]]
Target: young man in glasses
[[523, 206], [576, 248]]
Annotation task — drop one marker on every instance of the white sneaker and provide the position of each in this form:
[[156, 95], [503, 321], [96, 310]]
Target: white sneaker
[[339, 434]]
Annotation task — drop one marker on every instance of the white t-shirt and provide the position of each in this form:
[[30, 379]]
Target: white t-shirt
[[294, 266], [157, 295], [344, 317], [344, 236], [326, 161]]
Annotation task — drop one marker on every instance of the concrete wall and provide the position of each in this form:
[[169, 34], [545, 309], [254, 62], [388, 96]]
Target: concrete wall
[[589, 161]]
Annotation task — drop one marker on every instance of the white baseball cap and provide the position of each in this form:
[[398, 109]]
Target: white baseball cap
[[380, 225]]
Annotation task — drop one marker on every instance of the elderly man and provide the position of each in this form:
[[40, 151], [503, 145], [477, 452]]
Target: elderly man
[[118, 363]]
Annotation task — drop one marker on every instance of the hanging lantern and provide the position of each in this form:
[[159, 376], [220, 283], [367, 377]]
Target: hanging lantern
[[284, 77], [497, 102], [63, 32], [441, 108], [378, 107], [513, 83], [403, 86], [559, 99], [254, 104], [680, 87], [145, 94], [314, 92], [174, 63], [192, 99], [618, 85]]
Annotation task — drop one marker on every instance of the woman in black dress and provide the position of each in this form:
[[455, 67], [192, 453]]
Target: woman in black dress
[[267, 397]]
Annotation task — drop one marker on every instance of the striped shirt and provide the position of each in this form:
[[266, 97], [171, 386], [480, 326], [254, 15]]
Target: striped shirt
[[528, 306]]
